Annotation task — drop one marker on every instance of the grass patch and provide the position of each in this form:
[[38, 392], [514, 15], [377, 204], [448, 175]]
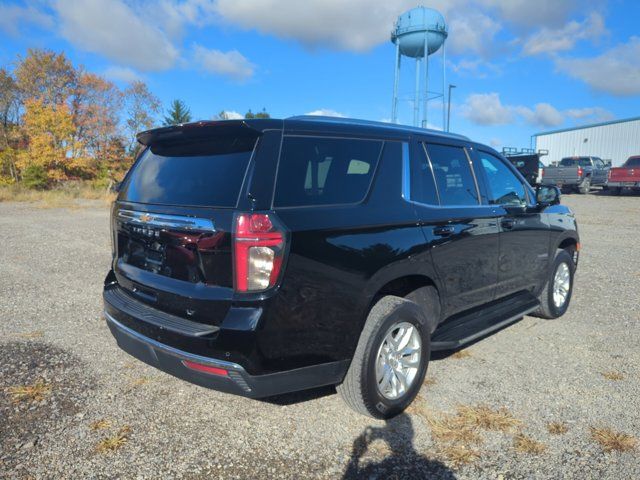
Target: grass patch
[[459, 455], [101, 424], [613, 376], [453, 428], [115, 442], [610, 440], [31, 335], [525, 444], [428, 381], [557, 428], [65, 196], [30, 393], [460, 354], [483, 416], [138, 382]]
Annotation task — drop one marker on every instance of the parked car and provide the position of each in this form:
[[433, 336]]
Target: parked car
[[528, 164], [259, 257], [577, 173], [626, 176]]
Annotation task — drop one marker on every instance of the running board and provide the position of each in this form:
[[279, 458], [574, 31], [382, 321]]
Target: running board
[[469, 326]]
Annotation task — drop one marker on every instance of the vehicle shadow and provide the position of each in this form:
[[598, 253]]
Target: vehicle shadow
[[299, 397], [402, 462]]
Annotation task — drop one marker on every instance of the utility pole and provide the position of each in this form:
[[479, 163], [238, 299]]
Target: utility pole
[[449, 107]]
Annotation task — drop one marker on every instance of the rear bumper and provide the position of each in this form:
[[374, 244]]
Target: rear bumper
[[236, 380], [626, 184]]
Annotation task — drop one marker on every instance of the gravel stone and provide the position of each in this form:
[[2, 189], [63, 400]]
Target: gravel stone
[[53, 262]]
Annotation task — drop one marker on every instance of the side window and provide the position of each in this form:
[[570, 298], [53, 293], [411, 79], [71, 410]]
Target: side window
[[504, 187], [453, 175], [325, 171], [423, 188], [598, 163]]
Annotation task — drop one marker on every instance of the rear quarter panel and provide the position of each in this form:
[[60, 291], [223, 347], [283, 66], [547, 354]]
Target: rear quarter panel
[[339, 257]]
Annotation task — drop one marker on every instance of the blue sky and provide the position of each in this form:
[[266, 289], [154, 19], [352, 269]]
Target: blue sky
[[520, 66]]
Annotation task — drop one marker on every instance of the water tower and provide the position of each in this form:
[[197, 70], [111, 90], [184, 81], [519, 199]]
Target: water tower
[[418, 34]]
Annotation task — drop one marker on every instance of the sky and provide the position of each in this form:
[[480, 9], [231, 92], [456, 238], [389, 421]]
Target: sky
[[519, 66]]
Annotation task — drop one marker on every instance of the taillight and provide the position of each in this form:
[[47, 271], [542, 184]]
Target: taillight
[[580, 171], [258, 251]]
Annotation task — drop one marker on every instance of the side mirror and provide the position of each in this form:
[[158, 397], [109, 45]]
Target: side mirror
[[115, 187], [607, 163], [547, 195]]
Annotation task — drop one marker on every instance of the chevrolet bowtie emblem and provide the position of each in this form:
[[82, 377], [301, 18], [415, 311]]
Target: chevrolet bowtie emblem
[[145, 217]]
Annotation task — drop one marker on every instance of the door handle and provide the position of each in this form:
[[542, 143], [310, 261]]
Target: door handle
[[443, 231], [508, 223]]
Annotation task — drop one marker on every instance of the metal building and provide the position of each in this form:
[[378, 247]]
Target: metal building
[[616, 141]]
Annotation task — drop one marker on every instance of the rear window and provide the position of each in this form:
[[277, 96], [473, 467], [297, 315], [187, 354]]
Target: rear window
[[325, 171], [633, 162], [198, 173], [575, 162]]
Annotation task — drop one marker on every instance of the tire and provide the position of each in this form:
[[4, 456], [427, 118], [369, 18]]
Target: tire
[[548, 307], [585, 186], [360, 389], [616, 191]]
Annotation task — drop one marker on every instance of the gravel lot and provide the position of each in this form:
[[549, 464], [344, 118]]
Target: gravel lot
[[52, 263]]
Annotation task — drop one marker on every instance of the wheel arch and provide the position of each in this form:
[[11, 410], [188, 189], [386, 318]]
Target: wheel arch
[[402, 286]]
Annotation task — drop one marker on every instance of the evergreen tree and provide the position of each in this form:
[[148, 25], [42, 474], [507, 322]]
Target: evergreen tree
[[179, 113]]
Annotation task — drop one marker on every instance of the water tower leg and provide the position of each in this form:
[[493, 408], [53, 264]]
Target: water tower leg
[[394, 105], [416, 98], [426, 81], [444, 84]]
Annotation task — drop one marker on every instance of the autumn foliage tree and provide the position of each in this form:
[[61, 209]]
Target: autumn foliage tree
[[59, 122], [50, 131]]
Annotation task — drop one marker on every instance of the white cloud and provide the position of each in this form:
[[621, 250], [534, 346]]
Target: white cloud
[[112, 28], [231, 64], [477, 68], [525, 13], [122, 74], [616, 71], [326, 112], [472, 32], [548, 40], [595, 114], [13, 16], [231, 115], [487, 109], [543, 115], [356, 25]]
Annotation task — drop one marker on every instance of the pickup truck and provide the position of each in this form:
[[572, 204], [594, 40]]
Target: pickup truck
[[626, 176], [577, 173]]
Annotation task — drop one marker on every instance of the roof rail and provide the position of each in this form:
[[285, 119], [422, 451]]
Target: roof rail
[[372, 123]]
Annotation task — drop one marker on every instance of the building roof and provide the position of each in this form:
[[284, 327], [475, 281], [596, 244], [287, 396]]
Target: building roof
[[582, 127]]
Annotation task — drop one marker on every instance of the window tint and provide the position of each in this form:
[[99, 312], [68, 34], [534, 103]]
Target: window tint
[[575, 162], [195, 173], [633, 162], [504, 187], [422, 186], [453, 175], [325, 171]]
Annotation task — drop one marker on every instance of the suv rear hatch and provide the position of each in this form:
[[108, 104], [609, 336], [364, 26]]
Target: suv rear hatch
[[173, 219]]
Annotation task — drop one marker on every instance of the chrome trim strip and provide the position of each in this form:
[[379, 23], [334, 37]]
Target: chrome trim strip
[[182, 355], [473, 172], [162, 220], [406, 172]]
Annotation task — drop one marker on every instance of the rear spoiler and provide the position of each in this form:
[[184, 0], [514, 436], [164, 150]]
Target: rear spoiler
[[208, 128]]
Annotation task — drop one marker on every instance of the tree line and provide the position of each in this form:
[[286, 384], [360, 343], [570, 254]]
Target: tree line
[[59, 122]]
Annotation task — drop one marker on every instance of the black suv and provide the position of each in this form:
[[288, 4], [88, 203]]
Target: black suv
[[259, 257]]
